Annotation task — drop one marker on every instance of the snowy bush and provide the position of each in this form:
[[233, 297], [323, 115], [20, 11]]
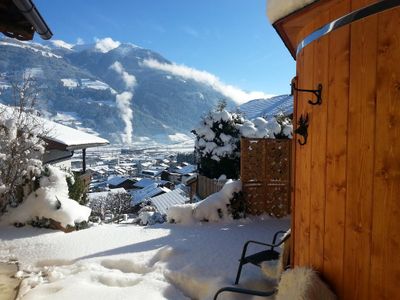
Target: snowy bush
[[217, 144], [20, 155], [148, 215], [49, 200], [216, 207]]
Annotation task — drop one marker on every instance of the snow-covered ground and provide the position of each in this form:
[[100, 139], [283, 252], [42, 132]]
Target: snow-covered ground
[[165, 261]]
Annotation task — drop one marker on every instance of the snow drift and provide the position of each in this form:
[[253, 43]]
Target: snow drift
[[214, 208]]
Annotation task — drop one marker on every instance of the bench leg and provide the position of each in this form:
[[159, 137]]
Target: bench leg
[[239, 272]]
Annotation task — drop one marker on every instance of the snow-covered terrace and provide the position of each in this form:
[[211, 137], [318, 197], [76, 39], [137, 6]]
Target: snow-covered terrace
[[164, 261]]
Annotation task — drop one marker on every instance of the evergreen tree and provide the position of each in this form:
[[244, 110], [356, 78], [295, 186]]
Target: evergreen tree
[[217, 146]]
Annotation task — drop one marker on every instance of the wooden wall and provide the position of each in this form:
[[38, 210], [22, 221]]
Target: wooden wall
[[346, 193]]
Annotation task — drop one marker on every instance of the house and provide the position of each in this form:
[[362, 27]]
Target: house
[[20, 19], [61, 141], [346, 153], [171, 176], [121, 182], [150, 173], [186, 169], [144, 182]]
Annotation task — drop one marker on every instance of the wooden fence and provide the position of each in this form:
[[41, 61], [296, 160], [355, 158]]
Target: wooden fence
[[265, 175], [207, 186]]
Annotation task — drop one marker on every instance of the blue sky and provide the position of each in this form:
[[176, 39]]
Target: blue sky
[[231, 39]]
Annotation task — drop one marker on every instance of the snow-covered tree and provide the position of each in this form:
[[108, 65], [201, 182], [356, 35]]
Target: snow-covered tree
[[116, 204], [217, 144], [21, 147]]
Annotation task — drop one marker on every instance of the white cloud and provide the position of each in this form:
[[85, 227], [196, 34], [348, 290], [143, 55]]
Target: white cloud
[[123, 101], [62, 44], [129, 80], [80, 41], [230, 91], [106, 44]]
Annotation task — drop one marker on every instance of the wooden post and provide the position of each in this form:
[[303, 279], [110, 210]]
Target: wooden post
[[84, 160]]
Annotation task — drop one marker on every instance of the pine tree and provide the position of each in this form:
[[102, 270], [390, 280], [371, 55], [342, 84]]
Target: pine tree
[[217, 146]]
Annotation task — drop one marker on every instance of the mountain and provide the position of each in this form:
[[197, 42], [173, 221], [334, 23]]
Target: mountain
[[267, 107], [78, 87]]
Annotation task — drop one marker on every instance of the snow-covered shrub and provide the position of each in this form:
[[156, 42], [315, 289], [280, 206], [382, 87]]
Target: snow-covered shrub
[[149, 218], [49, 200], [216, 207], [217, 144], [148, 215]]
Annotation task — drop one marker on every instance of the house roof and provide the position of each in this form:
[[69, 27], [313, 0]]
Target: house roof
[[267, 107], [164, 201], [20, 19], [144, 182], [67, 138], [117, 180], [186, 170], [139, 196], [71, 138]]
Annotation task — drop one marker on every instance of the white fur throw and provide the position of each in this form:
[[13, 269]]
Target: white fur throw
[[303, 284]]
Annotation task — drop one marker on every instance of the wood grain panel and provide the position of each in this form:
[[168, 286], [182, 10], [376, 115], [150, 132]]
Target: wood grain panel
[[318, 150], [339, 60], [385, 257], [360, 152], [305, 81]]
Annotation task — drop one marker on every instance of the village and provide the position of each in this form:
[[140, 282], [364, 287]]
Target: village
[[127, 175]]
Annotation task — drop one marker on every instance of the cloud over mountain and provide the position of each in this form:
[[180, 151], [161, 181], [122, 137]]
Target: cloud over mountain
[[204, 77]]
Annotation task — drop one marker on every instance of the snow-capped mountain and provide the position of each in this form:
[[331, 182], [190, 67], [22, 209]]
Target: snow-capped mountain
[[80, 85], [267, 107]]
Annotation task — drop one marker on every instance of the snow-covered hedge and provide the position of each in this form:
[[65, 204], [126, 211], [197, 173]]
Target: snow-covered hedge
[[216, 207], [49, 201]]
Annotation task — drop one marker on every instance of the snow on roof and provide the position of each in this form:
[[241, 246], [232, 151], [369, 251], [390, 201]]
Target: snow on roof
[[186, 170], [144, 182], [267, 107], [277, 9], [164, 201], [70, 137], [117, 180], [139, 196]]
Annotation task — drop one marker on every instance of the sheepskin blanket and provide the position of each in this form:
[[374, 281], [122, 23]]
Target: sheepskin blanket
[[303, 284]]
